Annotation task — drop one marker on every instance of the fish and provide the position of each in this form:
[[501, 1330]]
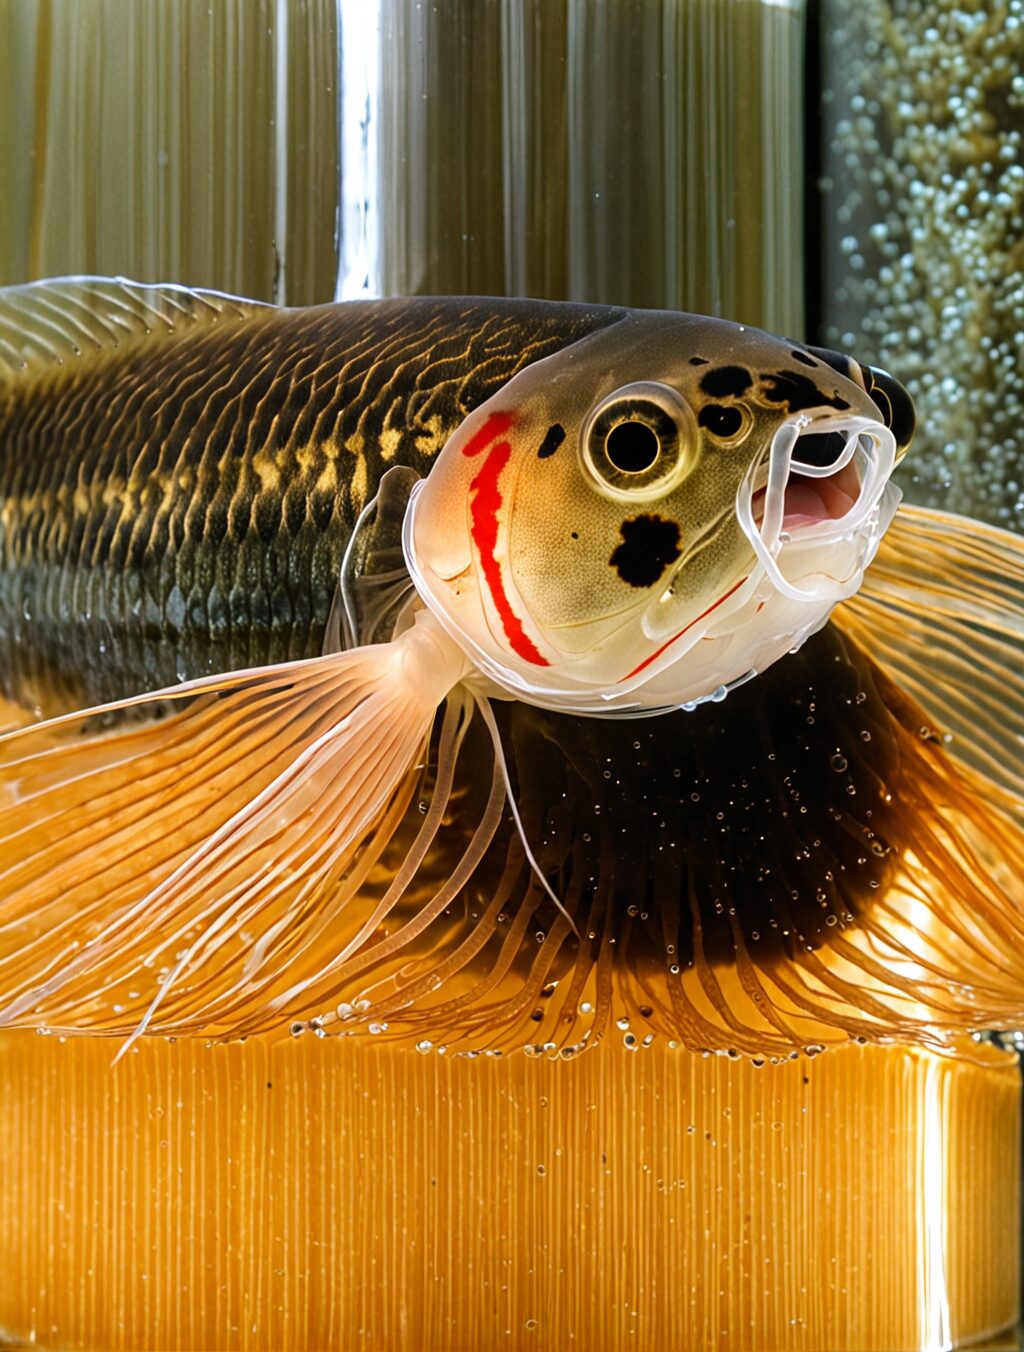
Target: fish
[[290, 600]]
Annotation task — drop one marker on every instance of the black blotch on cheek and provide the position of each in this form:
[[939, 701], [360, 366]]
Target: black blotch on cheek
[[797, 392], [698, 361], [553, 438], [726, 380], [720, 419], [649, 544]]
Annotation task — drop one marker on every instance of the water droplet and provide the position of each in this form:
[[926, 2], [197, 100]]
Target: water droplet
[[838, 763]]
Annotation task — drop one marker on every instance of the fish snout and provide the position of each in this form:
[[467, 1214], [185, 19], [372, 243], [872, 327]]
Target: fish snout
[[887, 394], [895, 405]]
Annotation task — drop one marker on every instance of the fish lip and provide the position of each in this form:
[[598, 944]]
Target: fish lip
[[869, 449]]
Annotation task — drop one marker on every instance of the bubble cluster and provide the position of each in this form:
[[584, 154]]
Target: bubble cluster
[[923, 201]]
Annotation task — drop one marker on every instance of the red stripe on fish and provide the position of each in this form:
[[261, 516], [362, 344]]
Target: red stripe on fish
[[485, 504], [483, 436], [668, 642]]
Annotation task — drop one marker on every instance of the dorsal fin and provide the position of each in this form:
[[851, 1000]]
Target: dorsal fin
[[67, 319]]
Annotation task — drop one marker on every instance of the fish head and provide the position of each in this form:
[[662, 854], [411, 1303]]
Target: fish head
[[655, 513]]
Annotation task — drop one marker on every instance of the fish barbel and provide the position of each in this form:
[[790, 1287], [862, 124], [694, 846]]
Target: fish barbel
[[246, 554]]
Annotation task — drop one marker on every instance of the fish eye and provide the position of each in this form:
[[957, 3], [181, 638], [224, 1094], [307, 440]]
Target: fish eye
[[638, 442]]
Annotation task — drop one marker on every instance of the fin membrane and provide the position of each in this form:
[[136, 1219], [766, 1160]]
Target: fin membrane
[[942, 611], [67, 319], [137, 856]]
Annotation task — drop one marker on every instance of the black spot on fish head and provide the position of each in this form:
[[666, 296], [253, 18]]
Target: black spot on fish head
[[804, 357], [795, 392], [698, 361], [553, 438], [839, 361], [723, 381], [648, 545], [721, 420]]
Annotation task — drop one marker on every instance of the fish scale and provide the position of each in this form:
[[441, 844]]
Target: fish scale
[[180, 505]]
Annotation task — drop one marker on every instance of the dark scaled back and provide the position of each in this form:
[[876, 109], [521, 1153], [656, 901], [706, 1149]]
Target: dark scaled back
[[181, 507]]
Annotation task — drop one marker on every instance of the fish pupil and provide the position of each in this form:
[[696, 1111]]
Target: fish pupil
[[632, 447]]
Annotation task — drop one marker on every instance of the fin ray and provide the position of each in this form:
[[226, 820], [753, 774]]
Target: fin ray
[[251, 800], [63, 319], [942, 611]]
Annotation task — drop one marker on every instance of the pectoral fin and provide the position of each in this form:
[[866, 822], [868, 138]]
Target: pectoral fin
[[942, 611], [158, 865]]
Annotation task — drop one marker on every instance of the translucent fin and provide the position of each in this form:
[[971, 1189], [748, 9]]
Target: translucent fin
[[143, 863], [793, 868], [942, 611], [374, 582], [14, 715], [65, 319]]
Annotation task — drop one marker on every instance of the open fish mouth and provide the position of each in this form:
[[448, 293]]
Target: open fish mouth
[[816, 506]]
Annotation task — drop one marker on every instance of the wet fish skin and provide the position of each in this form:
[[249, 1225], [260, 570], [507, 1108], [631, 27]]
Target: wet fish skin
[[181, 507]]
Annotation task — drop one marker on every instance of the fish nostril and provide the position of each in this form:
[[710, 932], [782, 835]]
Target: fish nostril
[[632, 447], [820, 449]]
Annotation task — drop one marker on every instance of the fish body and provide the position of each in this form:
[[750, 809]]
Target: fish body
[[310, 604], [180, 474]]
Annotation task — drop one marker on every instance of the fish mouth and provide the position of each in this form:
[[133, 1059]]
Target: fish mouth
[[812, 508], [809, 501]]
